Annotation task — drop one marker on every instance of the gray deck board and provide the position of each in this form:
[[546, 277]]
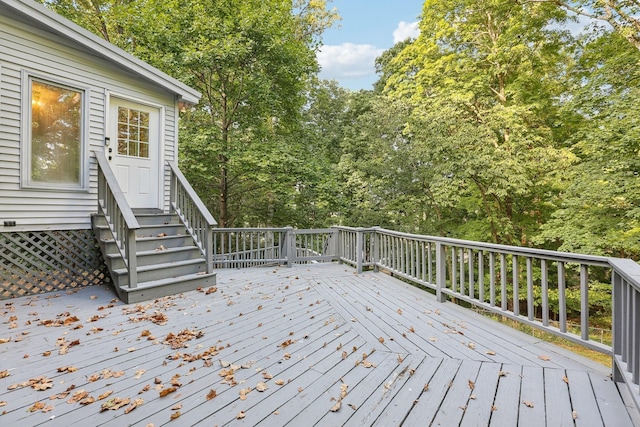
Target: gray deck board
[[306, 325]]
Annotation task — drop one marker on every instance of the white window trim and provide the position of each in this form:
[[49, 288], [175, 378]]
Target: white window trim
[[25, 133]]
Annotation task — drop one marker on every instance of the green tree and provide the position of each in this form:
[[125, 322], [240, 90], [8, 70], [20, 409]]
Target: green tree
[[251, 60], [600, 210], [485, 80]]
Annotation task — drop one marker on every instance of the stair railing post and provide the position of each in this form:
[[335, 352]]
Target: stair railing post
[[208, 248], [132, 262]]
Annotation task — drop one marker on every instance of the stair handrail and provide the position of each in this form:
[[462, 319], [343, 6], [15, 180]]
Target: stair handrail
[[193, 214], [122, 223]]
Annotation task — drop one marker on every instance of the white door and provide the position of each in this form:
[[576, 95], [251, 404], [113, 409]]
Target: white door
[[134, 151]]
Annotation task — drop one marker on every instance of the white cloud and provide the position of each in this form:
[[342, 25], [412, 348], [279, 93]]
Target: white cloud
[[348, 61], [405, 30]]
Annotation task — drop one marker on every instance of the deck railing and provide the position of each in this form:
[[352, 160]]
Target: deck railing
[[122, 223], [534, 287], [193, 214]]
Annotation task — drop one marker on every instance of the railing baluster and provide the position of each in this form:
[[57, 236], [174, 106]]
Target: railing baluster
[[516, 285], [530, 307], [544, 281], [584, 302], [503, 281], [562, 297]]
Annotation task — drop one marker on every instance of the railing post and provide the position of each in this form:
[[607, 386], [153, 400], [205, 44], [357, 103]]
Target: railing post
[[375, 249], [334, 246], [289, 246], [132, 262], [359, 249], [208, 248], [441, 271]]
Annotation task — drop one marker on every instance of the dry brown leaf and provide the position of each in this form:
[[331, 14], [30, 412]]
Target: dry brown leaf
[[4, 374], [167, 391], [565, 379], [176, 406], [279, 382], [139, 373], [115, 403], [472, 384], [175, 415], [502, 373], [3, 403], [368, 364], [381, 340], [399, 311], [544, 357], [37, 406], [527, 403], [105, 395], [344, 355], [212, 393], [241, 415], [261, 386], [426, 387], [266, 375], [574, 414], [133, 405], [490, 352]]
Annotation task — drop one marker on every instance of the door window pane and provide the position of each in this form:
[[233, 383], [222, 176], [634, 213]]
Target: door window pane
[[133, 132], [56, 134]]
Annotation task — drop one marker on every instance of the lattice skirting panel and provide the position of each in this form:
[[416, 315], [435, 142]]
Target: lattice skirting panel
[[45, 261]]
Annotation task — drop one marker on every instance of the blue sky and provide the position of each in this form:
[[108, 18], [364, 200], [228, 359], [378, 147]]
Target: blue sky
[[367, 28]]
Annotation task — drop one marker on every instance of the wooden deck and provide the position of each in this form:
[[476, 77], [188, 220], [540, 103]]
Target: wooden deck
[[328, 347]]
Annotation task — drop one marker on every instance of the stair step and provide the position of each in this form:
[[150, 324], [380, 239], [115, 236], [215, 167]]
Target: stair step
[[156, 256], [152, 243], [165, 287], [147, 273]]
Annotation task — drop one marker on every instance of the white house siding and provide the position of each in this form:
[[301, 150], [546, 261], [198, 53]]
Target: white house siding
[[23, 47]]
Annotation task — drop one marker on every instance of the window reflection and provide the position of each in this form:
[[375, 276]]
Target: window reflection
[[56, 134]]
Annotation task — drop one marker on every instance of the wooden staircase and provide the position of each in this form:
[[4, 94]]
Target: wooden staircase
[[167, 258]]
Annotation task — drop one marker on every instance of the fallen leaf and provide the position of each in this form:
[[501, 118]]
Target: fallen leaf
[[279, 382], [176, 406], [241, 415], [426, 387], [105, 395], [139, 373], [261, 386], [399, 311], [490, 352], [527, 403], [266, 375], [565, 379], [36, 407], [133, 405], [4, 374], [167, 391], [114, 404], [381, 340], [574, 414], [544, 357], [212, 393], [472, 384], [175, 415]]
